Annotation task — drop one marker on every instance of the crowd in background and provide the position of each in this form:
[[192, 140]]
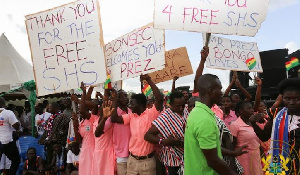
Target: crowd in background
[[203, 132]]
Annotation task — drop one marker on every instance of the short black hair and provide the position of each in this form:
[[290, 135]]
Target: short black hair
[[31, 148], [205, 82], [2, 102], [174, 95], [240, 105], [55, 105], [227, 96], [290, 84], [140, 99]]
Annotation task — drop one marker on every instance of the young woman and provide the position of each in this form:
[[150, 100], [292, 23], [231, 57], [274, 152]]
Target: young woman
[[244, 134]]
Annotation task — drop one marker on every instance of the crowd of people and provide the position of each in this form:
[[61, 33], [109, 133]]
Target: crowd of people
[[205, 132]]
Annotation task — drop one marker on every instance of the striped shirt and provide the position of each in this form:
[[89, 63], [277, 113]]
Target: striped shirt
[[170, 123]]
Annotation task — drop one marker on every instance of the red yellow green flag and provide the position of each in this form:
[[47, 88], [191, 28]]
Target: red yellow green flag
[[107, 84], [147, 90], [292, 63], [251, 62]]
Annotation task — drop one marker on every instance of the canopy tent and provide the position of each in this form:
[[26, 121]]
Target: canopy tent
[[14, 69]]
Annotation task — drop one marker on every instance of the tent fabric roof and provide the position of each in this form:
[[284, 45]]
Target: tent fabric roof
[[14, 69]]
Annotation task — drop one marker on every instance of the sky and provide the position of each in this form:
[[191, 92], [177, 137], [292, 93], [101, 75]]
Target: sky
[[279, 30]]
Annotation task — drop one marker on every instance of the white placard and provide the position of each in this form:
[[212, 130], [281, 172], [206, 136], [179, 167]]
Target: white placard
[[138, 52], [233, 55], [234, 17], [66, 47]]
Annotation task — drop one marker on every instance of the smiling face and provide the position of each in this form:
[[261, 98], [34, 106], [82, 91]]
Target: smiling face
[[134, 106], [291, 100]]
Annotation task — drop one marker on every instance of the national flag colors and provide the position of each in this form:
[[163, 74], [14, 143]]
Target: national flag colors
[[251, 62], [167, 93], [147, 90], [107, 84], [292, 63]]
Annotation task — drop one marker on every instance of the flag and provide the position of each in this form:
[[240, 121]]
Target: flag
[[107, 84], [167, 93], [292, 63], [71, 140], [147, 90], [251, 62]]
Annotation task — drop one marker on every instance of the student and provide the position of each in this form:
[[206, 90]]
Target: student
[[73, 159], [202, 148], [244, 134], [34, 165], [229, 115], [141, 160], [284, 130]]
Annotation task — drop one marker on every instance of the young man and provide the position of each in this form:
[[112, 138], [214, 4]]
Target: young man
[[141, 160], [170, 124], [8, 121], [202, 150], [34, 164], [284, 130], [40, 118], [121, 133], [56, 130]]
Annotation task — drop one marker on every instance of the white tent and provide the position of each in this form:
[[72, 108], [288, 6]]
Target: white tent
[[14, 69]]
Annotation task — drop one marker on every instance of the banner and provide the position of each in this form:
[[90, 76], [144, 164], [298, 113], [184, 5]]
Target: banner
[[232, 17], [66, 47], [233, 55], [177, 64], [138, 52]]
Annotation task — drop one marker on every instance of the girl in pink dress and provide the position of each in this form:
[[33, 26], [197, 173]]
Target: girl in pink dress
[[104, 156], [244, 134]]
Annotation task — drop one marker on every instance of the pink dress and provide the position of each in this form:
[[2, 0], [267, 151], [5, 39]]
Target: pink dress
[[104, 160], [251, 161], [88, 145]]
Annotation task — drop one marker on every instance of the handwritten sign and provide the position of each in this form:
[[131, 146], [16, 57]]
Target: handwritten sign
[[177, 64], [66, 47], [138, 52], [233, 55], [233, 17], [115, 85]]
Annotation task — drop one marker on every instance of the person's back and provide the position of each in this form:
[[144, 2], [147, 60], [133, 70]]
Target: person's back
[[201, 132]]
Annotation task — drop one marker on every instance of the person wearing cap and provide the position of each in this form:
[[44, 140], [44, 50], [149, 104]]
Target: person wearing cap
[[284, 129]]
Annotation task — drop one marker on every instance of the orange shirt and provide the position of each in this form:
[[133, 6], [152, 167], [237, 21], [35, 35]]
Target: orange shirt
[[139, 125]]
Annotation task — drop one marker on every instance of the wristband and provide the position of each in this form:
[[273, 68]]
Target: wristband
[[160, 141]]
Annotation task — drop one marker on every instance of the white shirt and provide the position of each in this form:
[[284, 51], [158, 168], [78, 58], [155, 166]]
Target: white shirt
[[293, 122], [72, 158], [40, 121], [7, 119]]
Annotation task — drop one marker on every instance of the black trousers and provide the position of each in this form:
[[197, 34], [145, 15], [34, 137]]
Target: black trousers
[[173, 170], [12, 153]]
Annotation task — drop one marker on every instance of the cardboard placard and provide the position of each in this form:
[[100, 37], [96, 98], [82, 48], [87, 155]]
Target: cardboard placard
[[138, 52], [177, 64], [233, 55], [232, 17], [65, 45]]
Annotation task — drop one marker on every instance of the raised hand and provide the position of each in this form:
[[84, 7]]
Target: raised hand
[[204, 53], [114, 93], [107, 109], [238, 83], [175, 78], [259, 117], [258, 81], [145, 77], [82, 87]]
